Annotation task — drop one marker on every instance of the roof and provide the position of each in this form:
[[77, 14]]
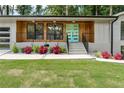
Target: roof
[[56, 18], [119, 14]]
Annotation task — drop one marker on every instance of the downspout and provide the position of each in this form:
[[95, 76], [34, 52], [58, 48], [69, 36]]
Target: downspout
[[112, 34]]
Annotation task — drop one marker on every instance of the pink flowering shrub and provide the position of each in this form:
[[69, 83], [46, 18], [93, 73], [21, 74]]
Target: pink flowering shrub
[[42, 50], [27, 50], [106, 55], [118, 56], [56, 50]]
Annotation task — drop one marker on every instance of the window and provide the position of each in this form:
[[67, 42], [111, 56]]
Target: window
[[30, 33], [39, 31], [122, 30], [55, 31], [35, 31]]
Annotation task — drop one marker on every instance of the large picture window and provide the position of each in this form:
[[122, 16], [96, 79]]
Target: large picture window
[[35, 31], [122, 30], [55, 31]]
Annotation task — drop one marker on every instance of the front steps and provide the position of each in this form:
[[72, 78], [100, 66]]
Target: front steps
[[77, 48]]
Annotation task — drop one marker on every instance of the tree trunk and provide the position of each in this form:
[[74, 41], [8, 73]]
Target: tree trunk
[[66, 11], [1, 10], [96, 10], [111, 10], [13, 10], [7, 10]]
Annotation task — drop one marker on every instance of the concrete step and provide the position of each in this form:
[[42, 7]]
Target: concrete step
[[77, 50], [76, 53]]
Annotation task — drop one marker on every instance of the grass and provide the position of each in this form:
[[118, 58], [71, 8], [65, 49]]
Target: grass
[[60, 73]]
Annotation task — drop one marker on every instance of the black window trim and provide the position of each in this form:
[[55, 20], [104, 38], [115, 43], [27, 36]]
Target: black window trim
[[54, 33], [35, 30], [121, 35]]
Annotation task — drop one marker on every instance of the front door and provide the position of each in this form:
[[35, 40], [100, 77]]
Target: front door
[[73, 32]]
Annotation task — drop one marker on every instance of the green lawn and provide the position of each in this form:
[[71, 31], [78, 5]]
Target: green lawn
[[60, 73]]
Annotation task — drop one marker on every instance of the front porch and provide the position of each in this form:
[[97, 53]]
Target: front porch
[[62, 32]]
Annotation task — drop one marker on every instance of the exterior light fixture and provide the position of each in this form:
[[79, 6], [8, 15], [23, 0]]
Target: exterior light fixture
[[54, 21], [73, 21]]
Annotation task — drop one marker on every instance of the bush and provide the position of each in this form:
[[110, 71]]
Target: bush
[[63, 50], [42, 50], [27, 50], [15, 49], [118, 56], [49, 49], [106, 55], [20, 50], [56, 50], [98, 54], [35, 48]]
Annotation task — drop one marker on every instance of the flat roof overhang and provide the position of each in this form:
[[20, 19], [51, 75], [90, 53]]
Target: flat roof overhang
[[58, 18]]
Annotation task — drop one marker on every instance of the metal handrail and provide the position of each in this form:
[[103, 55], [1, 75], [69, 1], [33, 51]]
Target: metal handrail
[[67, 42], [85, 42]]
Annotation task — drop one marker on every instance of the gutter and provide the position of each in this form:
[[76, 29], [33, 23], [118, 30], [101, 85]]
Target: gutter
[[112, 34]]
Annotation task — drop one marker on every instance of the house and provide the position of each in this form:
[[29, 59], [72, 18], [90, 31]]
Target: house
[[80, 34]]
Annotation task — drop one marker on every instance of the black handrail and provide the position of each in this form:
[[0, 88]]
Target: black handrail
[[67, 42], [85, 42]]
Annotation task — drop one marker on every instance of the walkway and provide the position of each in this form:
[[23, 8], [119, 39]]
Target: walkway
[[2, 52], [12, 56]]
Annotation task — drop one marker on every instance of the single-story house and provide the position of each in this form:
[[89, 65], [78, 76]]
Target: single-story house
[[80, 34]]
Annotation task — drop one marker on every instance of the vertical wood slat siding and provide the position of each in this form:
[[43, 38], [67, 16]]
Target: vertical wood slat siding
[[21, 33], [85, 28]]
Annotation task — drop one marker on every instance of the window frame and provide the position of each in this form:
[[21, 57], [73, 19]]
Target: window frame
[[54, 33], [122, 35], [35, 34]]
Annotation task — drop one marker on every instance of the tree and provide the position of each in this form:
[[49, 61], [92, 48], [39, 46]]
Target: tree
[[66, 10], [81, 10], [111, 10], [38, 10], [24, 9], [55, 10], [1, 9], [73, 10], [6, 9]]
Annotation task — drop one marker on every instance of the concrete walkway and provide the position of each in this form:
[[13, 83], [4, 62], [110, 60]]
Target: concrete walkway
[[2, 52], [11, 56]]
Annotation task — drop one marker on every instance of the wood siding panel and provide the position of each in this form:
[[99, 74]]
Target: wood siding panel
[[21, 33], [86, 28]]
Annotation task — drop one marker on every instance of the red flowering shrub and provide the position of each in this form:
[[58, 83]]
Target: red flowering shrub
[[118, 56], [42, 50], [106, 55], [27, 50], [56, 50]]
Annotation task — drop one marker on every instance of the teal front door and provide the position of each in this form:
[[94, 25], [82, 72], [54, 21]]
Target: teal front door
[[73, 32]]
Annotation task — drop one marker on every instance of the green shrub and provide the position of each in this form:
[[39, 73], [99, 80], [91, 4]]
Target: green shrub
[[63, 50], [49, 49], [35, 48], [15, 49], [98, 54], [20, 50]]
